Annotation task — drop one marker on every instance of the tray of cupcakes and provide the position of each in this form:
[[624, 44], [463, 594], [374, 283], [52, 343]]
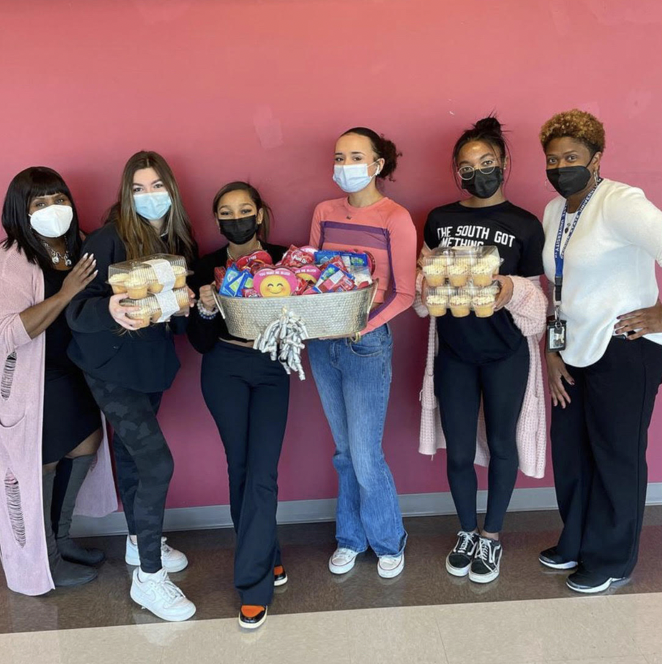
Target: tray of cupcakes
[[462, 279], [156, 285]]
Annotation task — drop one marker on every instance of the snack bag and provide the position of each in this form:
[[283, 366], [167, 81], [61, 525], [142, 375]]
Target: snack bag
[[334, 279], [219, 275], [261, 257], [235, 281], [295, 257]]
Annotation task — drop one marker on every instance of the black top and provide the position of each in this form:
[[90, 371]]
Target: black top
[[202, 333], [58, 334], [519, 237], [143, 360]]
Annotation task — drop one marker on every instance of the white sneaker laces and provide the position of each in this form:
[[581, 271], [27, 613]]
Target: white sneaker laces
[[164, 547], [485, 551], [164, 588], [343, 553], [389, 560], [466, 543]]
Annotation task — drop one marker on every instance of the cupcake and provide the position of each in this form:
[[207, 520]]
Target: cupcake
[[180, 276], [136, 286], [153, 284], [435, 273], [460, 305], [182, 299], [437, 303], [482, 273], [118, 283], [458, 273], [483, 305], [142, 315]]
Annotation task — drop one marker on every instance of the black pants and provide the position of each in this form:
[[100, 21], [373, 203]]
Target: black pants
[[248, 396], [459, 387], [143, 463], [599, 452]]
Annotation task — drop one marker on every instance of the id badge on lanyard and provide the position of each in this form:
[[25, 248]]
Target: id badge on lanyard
[[556, 336]]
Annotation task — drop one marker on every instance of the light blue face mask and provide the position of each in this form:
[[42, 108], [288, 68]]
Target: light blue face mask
[[353, 177], [152, 206]]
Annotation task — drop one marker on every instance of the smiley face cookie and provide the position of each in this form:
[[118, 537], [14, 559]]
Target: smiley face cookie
[[278, 282]]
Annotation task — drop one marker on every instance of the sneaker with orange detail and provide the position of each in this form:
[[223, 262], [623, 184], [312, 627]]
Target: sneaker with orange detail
[[251, 617], [280, 576]]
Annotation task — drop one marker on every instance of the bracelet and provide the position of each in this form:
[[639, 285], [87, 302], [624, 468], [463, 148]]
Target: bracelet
[[204, 312]]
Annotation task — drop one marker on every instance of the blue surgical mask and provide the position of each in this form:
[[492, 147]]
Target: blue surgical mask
[[152, 206], [353, 177]]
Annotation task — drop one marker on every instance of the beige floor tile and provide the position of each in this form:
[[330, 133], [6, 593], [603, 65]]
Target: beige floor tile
[[297, 638], [635, 659], [640, 618], [395, 635], [533, 631], [42, 647], [654, 658]]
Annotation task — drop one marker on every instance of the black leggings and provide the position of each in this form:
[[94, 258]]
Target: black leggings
[[248, 396], [143, 463], [459, 387]]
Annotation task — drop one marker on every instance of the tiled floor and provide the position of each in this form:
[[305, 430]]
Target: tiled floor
[[528, 615], [612, 630]]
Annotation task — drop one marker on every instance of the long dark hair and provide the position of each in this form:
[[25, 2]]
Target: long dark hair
[[23, 189], [267, 215], [139, 238], [383, 148]]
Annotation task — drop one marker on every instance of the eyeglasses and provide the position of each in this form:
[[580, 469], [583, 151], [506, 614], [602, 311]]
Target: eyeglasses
[[468, 172]]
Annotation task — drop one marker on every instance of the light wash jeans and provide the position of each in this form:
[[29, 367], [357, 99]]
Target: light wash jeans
[[354, 381]]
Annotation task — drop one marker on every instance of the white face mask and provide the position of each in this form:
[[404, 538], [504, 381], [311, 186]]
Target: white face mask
[[353, 177], [152, 206], [52, 221]]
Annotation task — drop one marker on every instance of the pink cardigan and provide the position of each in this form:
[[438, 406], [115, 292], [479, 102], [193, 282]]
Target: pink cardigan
[[22, 367], [528, 307]]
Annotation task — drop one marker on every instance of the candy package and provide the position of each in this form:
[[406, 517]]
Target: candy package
[[235, 281]]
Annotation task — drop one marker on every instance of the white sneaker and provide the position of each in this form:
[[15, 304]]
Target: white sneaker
[[342, 560], [171, 559], [161, 596], [390, 566]]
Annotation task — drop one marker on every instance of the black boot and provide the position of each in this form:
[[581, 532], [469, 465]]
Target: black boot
[[63, 572], [70, 550]]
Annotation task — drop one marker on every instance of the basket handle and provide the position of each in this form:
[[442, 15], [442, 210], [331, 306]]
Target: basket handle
[[219, 304], [374, 286]]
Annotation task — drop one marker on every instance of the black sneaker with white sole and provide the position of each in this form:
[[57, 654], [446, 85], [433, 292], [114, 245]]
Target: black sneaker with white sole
[[553, 559], [486, 562], [583, 581], [458, 561]]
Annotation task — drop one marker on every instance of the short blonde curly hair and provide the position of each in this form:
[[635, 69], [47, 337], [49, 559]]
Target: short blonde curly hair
[[580, 125]]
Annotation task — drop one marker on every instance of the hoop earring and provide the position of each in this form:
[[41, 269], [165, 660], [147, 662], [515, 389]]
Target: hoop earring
[[596, 176]]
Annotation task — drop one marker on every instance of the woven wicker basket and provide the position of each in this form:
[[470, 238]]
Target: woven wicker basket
[[325, 314]]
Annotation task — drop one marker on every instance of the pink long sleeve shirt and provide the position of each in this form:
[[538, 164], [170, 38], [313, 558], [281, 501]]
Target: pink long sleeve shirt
[[386, 230]]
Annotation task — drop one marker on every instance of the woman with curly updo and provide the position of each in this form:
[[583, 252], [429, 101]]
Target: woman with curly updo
[[604, 352]]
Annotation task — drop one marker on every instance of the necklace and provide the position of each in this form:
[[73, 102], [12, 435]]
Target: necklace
[[232, 258], [56, 256]]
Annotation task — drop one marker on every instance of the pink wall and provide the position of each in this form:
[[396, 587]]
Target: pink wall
[[229, 89]]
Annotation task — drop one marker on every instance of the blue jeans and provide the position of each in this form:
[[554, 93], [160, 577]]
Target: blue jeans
[[354, 381]]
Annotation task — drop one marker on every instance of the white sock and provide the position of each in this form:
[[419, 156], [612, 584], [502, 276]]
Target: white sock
[[134, 540]]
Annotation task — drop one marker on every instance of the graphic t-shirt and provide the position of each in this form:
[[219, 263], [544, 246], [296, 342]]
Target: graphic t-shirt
[[519, 237]]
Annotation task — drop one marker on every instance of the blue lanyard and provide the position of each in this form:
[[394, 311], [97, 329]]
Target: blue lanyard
[[559, 252]]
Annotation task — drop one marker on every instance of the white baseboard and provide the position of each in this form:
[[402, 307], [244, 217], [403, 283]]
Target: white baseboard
[[310, 511]]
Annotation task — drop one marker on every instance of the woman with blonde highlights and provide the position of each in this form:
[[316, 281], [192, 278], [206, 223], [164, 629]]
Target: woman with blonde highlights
[[128, 369]]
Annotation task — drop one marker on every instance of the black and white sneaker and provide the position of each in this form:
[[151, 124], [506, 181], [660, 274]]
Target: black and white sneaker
[[458, 561], [485, 565], [583, 581], [553, 559]]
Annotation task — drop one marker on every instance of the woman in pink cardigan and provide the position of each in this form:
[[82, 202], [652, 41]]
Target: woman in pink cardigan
[[485, 371], [48, 419]]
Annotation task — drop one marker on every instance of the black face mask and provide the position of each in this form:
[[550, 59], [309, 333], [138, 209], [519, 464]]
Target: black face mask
[[482, 185], [239, 231], [569, 180]]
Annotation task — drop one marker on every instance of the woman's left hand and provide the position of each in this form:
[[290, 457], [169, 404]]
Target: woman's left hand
[[640, 322], [505, 291]]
